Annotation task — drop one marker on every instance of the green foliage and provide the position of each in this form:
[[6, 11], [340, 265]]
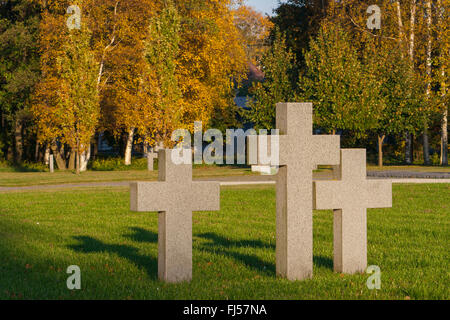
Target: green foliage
[[24, 166], [161, 53], [344, 90], [401, 91], [79, 112], [435, 159], [117, 164], [299, 20], [279, 68], [19, 66]]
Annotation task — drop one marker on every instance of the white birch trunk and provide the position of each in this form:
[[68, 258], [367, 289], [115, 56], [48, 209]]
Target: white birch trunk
[[129, 147]]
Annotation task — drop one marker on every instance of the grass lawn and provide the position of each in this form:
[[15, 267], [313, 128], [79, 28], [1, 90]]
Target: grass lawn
[[42, 233], [19, 179], [11, 178]]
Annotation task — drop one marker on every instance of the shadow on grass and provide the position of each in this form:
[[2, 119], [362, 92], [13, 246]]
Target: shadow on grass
[[224, 246], [218, 245], [142, 235], [321, 261], [224, 242], [91, 245]]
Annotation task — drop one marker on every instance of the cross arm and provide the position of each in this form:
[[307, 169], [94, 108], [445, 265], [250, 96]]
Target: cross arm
[[149, 196], [326, 149], [325, 195], [379, 194], [205, 196]]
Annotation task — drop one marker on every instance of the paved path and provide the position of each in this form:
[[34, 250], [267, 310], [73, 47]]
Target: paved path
[[224, 181], [409, 174]]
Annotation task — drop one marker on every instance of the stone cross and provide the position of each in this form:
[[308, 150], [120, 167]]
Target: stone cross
[[51, 164], [150, 163], [174, 196], [300, 153], [349, 198]]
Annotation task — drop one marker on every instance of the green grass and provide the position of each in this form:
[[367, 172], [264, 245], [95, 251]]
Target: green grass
[[20, 179], [42, 233]]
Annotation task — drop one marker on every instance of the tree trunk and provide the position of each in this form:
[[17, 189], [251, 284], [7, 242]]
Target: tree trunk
[[60, 162], [9, 153], [36, 151], [408, 148], [85, 156], [426, 146], [78, 162], [95, 148], [146, 148], [409, 142], [412, 34], [47, 155], [380, 149], [444, 138], [444, 121], [18, 141], [129, 147], [400, 21], [72, 160]]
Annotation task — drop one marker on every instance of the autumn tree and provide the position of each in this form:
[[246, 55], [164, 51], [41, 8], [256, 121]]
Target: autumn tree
[[161, 52], [255, 30], [211, 60], [66, 104], [119, 34]]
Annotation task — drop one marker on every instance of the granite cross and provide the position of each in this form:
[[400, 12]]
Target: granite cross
[[300, 153], [174, 196], [349, 198]]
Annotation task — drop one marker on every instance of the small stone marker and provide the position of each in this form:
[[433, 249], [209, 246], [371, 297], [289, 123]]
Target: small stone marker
[[51, 164], [300, 153], [260, 148], [150, 163], [174, 196], [349, 198], [265, 170]]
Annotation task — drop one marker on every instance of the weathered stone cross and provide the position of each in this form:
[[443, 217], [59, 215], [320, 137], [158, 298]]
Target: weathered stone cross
[[175, 196], [300, 153], [150, 160], [350, 197]]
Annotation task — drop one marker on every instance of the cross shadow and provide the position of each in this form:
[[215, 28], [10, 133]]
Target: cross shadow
[[91, 245], [223, 246], [222, 241], [321, 261], [142, 235]]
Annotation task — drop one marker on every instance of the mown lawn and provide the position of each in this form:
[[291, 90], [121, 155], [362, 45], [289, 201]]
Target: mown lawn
[[42, 233], [20, 179]]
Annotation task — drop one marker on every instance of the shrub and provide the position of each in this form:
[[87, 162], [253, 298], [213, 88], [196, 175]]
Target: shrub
[[117, 164]]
